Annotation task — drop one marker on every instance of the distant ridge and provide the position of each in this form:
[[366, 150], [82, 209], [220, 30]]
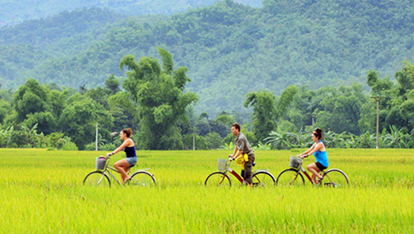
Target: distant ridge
[[230, 49], [13, 12]]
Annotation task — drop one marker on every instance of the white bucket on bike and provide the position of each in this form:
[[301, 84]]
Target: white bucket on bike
[[100, 163], [221, 164]]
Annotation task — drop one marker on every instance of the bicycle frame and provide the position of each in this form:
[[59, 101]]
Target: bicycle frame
[[112, 175], [235, 174], [108, 169], [306, 174]]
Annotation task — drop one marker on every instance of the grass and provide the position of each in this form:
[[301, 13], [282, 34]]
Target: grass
[[41, 191]]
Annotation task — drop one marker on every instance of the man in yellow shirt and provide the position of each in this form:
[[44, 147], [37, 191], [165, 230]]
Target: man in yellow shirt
[[243, 147]]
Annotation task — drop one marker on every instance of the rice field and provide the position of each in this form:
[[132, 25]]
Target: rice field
[[42, 192]]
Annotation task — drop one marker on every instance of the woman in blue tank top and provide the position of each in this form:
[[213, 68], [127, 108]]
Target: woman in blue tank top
[[128, 146], [319, 151]]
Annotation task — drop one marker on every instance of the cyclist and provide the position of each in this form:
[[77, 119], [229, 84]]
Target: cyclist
[[128, 146], [319, 151], [243, 147]]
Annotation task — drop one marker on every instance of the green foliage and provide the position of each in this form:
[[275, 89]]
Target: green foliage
[[5, 136], [18, 11], [159, 94], [200, 142], [112, 84], [229, 146], [68, 145], [230, 49], [267, 110], [260, 146], [214, 140], [264, 112], [79, 119], [55, 140]]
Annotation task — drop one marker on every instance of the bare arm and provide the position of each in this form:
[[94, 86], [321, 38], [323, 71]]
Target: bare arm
[[234, 155], [307, 152], [315, 147]]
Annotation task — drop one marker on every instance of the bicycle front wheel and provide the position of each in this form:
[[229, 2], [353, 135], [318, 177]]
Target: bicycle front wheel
[[142, 179], [97, 179], [217, 179], [290, 177], [335, 178], [263, 179]]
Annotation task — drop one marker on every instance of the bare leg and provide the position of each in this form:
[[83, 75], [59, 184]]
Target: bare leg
[[315, 171], [123, 166]]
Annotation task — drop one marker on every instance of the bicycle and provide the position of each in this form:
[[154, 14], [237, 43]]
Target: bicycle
[[261, 178], [100, 177], [293, 176]]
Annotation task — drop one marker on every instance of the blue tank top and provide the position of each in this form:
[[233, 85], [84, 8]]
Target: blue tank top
[[322, 157], [130, 152]]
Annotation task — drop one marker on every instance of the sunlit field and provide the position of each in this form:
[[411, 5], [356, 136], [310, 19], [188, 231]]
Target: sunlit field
[[42, 192]]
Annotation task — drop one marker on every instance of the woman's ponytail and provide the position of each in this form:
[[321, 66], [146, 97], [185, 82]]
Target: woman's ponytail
[[128, 132]]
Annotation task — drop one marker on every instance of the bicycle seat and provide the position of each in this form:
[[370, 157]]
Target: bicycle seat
[[132, 166], [254, 163]]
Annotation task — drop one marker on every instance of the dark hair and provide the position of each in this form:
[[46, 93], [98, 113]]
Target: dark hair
[[236, 125], [318, 133], [128, 132]]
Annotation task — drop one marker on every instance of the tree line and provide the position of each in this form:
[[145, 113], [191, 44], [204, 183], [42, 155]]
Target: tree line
[[154, 102]]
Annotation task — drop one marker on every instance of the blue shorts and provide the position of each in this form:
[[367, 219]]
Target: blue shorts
[[132, 161]]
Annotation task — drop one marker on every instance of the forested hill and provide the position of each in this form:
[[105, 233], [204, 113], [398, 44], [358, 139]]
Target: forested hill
[[231, 49], [17, 11]]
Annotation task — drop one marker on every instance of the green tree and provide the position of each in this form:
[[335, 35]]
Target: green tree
[[30, 98], [34, 104], [264, 113], [267, 109], [79, 119], [160, 96], [112, 84]]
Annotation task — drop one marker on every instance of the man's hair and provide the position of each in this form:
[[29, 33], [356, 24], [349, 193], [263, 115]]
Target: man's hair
[[236, 125]]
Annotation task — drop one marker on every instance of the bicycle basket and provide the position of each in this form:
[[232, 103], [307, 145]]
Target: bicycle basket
[[221, 164], [100, 163], [295, 162]]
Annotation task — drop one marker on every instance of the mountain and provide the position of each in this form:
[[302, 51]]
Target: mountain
[[13, 12], [231, 49]]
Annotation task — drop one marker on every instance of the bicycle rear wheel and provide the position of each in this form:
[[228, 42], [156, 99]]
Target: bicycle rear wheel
[[97, 179], [142, 179], [217, 179], [335, 178], [263, 179], [290, 177]]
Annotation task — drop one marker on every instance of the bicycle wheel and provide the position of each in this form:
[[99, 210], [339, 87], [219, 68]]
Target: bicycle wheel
[[290, 177], [263, 179], [97, 179], [142, 179], [218, 179], [335, 178]]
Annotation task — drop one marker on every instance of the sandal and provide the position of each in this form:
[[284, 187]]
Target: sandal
[[126, 181], [318, 180]]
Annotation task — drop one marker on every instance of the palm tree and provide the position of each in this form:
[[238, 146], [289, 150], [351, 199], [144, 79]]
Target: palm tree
[[284, 140], [5, 136], [397, 138]]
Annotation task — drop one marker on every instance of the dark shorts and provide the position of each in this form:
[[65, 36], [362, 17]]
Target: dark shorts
[[320, 166], [248, 168]]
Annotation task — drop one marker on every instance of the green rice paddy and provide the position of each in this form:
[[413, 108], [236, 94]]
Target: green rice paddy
[[42, 192]]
